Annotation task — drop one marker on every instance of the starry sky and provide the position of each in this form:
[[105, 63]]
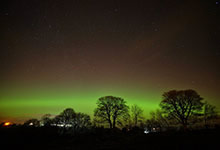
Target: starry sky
[[56, 54]]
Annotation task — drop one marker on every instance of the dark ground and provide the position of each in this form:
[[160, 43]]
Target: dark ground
[[47, 138]]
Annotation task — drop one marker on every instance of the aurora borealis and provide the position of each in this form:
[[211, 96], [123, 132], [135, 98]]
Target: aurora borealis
[[59, 54]]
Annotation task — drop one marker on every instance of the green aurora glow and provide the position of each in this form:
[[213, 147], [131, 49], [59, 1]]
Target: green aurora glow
[[22, 103], [60, 54]]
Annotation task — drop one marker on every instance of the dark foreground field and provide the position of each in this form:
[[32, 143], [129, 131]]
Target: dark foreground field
[[48, 139]]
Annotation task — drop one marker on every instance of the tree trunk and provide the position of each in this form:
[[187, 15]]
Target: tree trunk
[[135, 121], [185, 125], [110, 124], [114, 122]]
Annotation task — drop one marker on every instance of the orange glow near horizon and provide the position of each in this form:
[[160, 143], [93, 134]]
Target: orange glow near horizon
[[7, 123]]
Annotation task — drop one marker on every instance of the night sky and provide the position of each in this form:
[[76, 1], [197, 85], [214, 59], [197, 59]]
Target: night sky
[[57, 54]]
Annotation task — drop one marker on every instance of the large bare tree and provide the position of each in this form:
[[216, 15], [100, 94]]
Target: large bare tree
[[181, 105], [111, 110]]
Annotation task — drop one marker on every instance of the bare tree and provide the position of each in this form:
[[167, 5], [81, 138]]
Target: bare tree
[[158, 120], [46, 119], [65, 118], [210, 113], [136, 114], [82, 121], [181, 105], [72, 122], [111, 110]]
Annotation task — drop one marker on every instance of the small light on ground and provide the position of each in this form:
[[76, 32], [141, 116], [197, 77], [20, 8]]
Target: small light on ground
[[146, 132]]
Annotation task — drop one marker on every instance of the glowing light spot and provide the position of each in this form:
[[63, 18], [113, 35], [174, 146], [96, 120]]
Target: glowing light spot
[[146, 132], [7, 123]]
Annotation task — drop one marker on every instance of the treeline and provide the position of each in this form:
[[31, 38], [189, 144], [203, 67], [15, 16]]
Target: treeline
[[179, 109]]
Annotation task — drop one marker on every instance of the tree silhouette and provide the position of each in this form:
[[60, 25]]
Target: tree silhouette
[[46, 120], [65, 118], [111, 110], [72, 122], [158, 120], [209, 113], [136, 114], [152, 124], [181, 105], [82, 121]]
